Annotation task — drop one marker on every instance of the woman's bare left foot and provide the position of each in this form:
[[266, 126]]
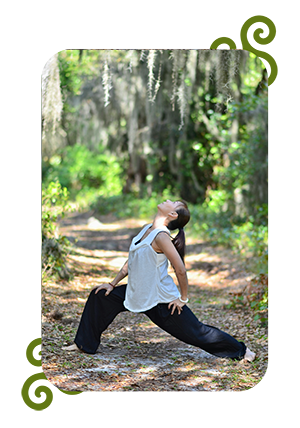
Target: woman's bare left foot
[[249, 355], [72, 347]]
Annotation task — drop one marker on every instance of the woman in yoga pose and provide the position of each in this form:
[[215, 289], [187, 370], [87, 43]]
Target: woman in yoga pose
[[152, 291]]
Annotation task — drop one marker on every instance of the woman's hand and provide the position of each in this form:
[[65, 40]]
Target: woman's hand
[[104, 286], [176, 304]]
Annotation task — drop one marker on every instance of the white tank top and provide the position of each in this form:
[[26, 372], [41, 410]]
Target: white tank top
[[148, 279]]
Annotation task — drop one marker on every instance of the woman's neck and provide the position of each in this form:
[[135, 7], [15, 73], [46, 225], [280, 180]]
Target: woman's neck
[[159, 221]]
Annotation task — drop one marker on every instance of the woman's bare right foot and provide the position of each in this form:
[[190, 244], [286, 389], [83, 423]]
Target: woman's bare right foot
[[249, 355], [73, 347]]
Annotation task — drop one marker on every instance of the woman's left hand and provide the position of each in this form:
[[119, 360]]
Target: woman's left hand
[[176, 304], [104, 286]]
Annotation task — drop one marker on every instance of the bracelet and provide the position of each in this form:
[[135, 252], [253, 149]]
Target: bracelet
[[113, 286], [183, 301]]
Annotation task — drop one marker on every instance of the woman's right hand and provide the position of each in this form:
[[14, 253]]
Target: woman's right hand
[[104, 286], [176, 304]]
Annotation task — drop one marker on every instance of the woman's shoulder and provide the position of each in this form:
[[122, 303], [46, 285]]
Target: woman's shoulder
[[162, 235], [163, 229]]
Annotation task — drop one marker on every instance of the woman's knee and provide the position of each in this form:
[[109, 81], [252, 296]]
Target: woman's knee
[[94, 294]]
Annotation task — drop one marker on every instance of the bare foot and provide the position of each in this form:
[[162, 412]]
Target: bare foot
[[73, 347], [249, 355]]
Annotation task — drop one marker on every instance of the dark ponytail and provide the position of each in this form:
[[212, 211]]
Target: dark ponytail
[[179, 243], [179, 223]]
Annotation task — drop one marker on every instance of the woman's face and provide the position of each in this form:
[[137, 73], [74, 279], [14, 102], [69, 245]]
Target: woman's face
[[169, 206]]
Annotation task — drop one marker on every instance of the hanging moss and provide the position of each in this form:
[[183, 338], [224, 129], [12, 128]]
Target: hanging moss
[[166, 114]]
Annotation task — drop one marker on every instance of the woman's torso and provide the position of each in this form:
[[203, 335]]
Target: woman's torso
[[148, 279]]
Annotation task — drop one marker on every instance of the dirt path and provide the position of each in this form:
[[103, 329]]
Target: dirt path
[[135, 354]]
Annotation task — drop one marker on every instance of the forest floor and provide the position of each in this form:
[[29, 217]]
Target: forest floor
[[135, 354]]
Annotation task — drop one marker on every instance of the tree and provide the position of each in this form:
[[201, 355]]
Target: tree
[[182, 119]]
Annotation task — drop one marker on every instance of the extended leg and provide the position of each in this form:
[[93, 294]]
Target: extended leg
[[98, 314], [189, 329]]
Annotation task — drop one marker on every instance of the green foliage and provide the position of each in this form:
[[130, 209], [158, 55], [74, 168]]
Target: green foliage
[[261, 305], [210, 158], [54, 204], [247, 239], [86, 174], [54, 246], [248, 235], [258, 303], [74, 70], [216, 200]]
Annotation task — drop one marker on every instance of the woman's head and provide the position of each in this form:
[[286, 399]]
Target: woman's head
[[176, 212], [179, 215], [183, 216]]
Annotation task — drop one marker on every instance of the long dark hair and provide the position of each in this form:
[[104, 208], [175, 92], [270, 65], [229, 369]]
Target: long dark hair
[[179, 223]]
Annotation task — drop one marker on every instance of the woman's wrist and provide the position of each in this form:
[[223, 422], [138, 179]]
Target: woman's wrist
[[113, 286], [183, 300]]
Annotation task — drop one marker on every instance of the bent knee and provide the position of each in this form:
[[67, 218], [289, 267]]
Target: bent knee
[[97, 293]]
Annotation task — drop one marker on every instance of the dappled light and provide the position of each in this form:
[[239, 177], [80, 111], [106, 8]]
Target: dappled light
[[134, 353]]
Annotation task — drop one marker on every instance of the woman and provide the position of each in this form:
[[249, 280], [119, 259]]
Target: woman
[[152, 291]]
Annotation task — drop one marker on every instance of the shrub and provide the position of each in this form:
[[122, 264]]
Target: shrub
[[54, 246], [86, 174]]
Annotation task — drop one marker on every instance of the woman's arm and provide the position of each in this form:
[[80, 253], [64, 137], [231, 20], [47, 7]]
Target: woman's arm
[[163, 242], [110, 286], [121, 275]]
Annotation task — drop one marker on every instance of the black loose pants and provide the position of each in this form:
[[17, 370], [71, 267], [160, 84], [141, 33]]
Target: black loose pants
[[100, 310]]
